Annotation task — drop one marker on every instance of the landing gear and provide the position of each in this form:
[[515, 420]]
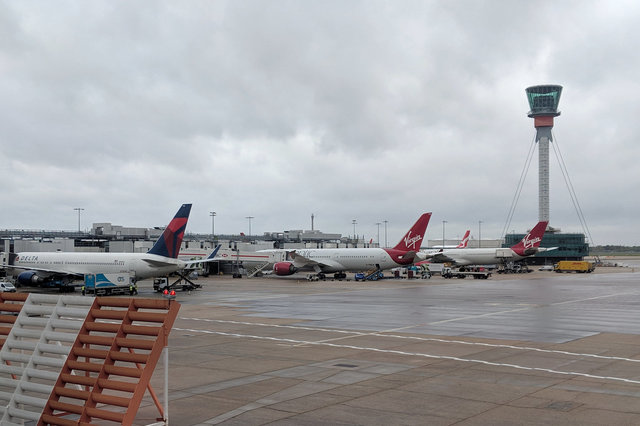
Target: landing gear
[[339, 275]]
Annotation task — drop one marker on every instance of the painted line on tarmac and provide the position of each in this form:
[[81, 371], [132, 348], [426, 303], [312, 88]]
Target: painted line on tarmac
[[423, 339], [508, 311], [488, 314], [529, 306], [414, 354], [634, 293]]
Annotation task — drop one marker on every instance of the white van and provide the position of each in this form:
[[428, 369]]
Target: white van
[[7, 286]]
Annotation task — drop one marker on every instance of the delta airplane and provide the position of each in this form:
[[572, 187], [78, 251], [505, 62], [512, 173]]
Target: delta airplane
[[339, 260], [528, 246], [37, 268]]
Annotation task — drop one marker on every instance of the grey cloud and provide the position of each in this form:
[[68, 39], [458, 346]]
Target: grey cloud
[[366, 110]]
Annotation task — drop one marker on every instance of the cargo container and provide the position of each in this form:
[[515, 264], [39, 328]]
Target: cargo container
[[580, 266]]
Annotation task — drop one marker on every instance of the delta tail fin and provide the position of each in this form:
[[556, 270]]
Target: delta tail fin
[[530, 243], [413, 239], [168, 245], [465, 240]]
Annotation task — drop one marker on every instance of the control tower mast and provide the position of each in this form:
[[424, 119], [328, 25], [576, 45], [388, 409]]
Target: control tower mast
[[543, 101]]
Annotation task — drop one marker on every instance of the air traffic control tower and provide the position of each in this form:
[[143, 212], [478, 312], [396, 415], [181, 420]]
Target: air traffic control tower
[[543, 101]]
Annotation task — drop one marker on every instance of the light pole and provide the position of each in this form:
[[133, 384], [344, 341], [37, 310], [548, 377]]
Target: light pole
[[378, 223], [355, 237], [443, 223], [385, 232], [479, 233], [249, 217], [78, 209], [213, 225]]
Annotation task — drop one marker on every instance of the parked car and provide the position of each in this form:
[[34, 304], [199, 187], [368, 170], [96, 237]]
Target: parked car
[[7, 286], [546, 268]]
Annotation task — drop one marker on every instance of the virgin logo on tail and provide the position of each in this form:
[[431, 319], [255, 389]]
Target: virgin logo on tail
[[410, 242], [531, 243], [532, 240]]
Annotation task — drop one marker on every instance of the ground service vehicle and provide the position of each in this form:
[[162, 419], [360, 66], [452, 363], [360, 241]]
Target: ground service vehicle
[[413, 271], [160, 284], [107, 284], [580, 266], [7, 286], [369, 276], [476, 273]]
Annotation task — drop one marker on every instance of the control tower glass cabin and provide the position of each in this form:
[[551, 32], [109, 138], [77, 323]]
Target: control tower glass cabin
[[544, 100]]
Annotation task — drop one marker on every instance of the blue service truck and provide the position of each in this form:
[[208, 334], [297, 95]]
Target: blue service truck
[[108, 284]]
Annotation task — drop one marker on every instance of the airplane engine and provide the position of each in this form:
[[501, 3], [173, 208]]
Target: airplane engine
[[28, 278], [284, 268]]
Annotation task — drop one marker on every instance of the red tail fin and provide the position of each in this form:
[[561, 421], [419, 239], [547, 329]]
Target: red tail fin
[[412, 239], [465, 240], [528, 245]]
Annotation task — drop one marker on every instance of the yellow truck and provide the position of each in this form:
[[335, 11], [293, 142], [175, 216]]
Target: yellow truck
[[580, 266]]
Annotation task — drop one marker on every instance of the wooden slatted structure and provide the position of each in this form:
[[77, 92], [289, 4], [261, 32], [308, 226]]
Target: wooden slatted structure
[[10, 306], [111, 362], [34, 352]]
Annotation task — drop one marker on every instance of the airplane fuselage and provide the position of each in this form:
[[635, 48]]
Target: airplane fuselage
[[141, 265], [341, 259], [481, 256]]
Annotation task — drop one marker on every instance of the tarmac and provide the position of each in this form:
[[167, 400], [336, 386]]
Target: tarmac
[[526, 349]]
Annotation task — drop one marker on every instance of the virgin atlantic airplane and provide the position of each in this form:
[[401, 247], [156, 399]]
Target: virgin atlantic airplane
[[340, 260]]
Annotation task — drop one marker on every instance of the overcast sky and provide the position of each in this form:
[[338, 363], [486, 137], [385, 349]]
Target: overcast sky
[[371, 110]]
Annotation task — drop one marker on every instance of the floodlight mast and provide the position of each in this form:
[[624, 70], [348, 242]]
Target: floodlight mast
[[543, 101]]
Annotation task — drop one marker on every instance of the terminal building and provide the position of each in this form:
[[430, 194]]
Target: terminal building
[[569, 246]]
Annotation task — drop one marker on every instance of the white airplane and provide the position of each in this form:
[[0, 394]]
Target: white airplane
[[38, 268], [339, 260], [463, 242], [528, 246]]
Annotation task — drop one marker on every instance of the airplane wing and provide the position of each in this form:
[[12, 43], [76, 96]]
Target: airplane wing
[[300, 261], [541, 249], [209, 258], [44, 270], [158, 263], [440, 257]]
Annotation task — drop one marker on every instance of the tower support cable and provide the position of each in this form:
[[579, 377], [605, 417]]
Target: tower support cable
[[516, 196], [572, 191]]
